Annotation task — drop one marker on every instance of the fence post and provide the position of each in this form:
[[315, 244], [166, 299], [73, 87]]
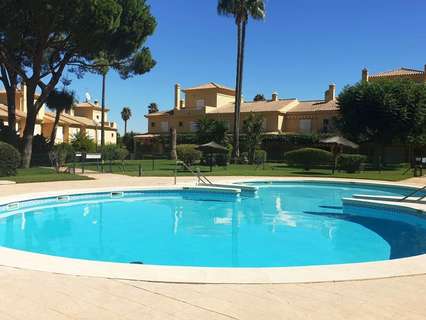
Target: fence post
[[140, 169], [176, 172], [82, 167], [153, 164]]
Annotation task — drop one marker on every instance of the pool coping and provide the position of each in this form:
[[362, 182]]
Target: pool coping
[[415, 265]]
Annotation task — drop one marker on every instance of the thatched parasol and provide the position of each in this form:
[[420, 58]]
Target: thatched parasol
[[211, 148], [337, 143]]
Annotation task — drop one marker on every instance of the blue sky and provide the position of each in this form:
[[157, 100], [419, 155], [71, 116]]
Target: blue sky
[[298, 50]]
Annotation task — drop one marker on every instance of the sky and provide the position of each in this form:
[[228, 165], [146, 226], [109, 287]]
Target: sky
[[299, 49]]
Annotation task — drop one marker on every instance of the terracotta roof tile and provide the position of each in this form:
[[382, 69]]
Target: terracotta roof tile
[[316, 105], [397, 72], [209, 85], [258, 106]]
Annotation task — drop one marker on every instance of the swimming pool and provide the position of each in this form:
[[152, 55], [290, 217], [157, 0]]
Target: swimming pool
[[285, 224]]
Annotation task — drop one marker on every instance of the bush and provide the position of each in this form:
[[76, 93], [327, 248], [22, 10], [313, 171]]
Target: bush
[[307, 158], [61, 154], [40, 153], [350, 162], [188, 154], [259, 156], [10, 159], [82, 143], [114, 152]]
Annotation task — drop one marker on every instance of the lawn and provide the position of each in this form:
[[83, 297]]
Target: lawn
[[42, 175], [166, 168]]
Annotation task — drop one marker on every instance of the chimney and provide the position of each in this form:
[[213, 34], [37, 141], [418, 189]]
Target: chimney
[[177, 96], [365, 76], [274, 96], [330, 94], [182, 103], [424, 73]]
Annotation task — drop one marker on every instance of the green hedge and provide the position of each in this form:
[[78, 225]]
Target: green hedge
[[10, 160], [187, 153], [350, 162], [114, 152], [307, 158]]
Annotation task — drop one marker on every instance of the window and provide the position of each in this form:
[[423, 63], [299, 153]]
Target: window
[[194, 126], [305, 125], [325, 126], [153, 124], [97, 117], [112, 135], [264, 124], [164, 126], [180, 124], [200, 104]]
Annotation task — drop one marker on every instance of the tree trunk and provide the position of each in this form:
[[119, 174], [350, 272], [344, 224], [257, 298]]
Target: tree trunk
[[29, 127], [236, 137], [173, 135], [240, 85], [55, 126], [10, 81], [125, 127], [103, 112]]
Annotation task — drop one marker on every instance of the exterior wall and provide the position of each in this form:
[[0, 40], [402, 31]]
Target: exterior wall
[[292, 121], [420, 78], [83, 112], [209, 96], [223, 99]]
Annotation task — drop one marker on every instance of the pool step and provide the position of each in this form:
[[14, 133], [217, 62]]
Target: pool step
[[389, 198], [242, 187]]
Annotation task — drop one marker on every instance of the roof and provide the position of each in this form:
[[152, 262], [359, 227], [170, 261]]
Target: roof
[[160, 113], [3, 112], [257, 106], [90, 105], [209, 85], [397, 72], [315, 105]]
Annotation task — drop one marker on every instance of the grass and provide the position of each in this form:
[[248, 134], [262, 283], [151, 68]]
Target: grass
[[42, 175], [163, 168]]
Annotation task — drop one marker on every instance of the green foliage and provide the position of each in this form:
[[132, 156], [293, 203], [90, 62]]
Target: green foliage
[[126, 114], [211, 130], [112, 152], [9, 135], [153, 107], [60, 100], [350, 162], [260, 156], [83, 143], [128, 141], [259, 97], [276, 145], [307, 158], [10, 160], [41, 149], [383, 112], [41, 39], [61, 154], [253, 128], [187, 153]]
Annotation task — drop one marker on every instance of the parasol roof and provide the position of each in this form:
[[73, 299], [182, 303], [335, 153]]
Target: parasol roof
[[212, 147], [340, 141]]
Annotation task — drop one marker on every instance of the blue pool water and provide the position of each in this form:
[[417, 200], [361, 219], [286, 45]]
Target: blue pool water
[[285, 224]]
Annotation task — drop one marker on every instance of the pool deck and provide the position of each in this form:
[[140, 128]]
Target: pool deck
[[26, 294]]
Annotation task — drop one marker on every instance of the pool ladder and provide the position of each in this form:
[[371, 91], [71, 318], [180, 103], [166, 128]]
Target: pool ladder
[[413, 193], [200, 178]]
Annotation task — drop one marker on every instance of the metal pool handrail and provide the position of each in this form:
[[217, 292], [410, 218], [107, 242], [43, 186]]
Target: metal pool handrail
[[413, 193], [200, 177]]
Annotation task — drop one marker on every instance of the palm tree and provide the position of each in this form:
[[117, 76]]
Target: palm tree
[[241, 10], [153, 107], [59, 101], [126, 114], [259, 97]]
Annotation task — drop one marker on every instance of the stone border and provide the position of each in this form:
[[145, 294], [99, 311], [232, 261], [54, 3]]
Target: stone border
[[323, 273]]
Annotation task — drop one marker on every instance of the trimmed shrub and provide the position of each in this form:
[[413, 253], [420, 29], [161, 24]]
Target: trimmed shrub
[[350, 162], [40, 153], [307, 158], [114, 152], [187, 153], [10, 160], [83, 143], [259, 156], [60, 154]]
